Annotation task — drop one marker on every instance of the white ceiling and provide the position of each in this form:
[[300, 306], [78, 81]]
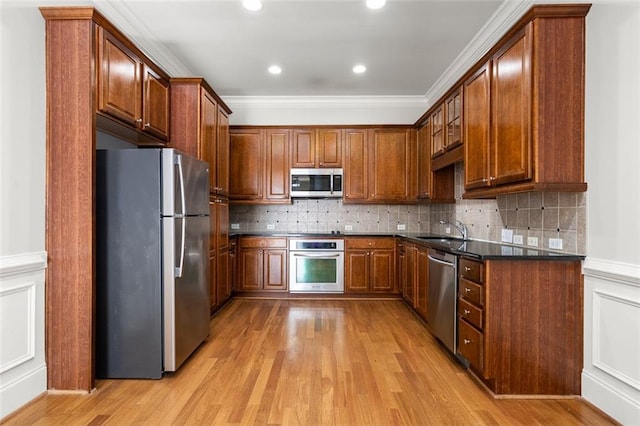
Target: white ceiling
[[406, 46]]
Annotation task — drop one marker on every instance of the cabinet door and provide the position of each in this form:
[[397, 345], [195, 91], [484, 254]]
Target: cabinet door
[[329, 147], [476, 129], [223, 286], [250, 270], [453, 108], [382, 271], [275, 269], [390, 165], [213, 301], [222, 154], [437, 132], [246, 164], [208, 136], [277, 165], [356, 271], [424, 161], [410, 283], [422, 281], [222, 224], [119, 81], [303, 148], [155, 105], [511, 111], [355, 165]]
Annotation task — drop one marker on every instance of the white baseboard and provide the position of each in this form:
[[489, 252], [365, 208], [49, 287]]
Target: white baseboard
[[610, 400], [22, 390]]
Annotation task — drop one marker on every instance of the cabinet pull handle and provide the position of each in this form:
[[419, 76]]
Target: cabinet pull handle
[[466, 341], [467, 269], [467, 312], [139, 120], [492, 178], [484, 180], [467, 289], [147, 125]]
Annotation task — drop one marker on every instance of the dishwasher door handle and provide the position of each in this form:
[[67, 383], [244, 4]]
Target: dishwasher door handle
[[440, 261]]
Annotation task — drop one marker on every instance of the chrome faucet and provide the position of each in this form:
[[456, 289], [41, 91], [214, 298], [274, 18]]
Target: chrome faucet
[[461, 227]]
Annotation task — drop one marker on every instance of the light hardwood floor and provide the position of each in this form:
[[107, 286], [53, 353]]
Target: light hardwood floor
[[308, 362]]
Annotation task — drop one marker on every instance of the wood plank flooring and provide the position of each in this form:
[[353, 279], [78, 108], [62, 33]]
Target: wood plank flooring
[[303, 362]]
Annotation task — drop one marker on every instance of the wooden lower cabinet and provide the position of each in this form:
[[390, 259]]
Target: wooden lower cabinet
[[414, 276], [520, 324], [262, 264], [370, 265]]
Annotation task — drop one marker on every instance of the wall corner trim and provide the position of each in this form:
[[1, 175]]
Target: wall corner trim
[[619, 272]]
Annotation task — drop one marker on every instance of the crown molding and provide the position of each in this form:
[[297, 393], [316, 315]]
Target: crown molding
[[325, 101], [136, 30], [500, 22]]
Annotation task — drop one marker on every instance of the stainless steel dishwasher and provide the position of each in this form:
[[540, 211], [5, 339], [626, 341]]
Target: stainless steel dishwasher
[[442, 297]]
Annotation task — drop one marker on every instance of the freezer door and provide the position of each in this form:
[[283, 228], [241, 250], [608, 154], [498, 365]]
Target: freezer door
[[185, 185], [185, 287]]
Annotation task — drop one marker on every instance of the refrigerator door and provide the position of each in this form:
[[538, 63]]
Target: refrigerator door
[[185, 287], [185, 182]]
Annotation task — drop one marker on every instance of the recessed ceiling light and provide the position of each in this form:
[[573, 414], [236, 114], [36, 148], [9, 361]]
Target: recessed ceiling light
[[359, 69], [275, 69], [375, 4], [253, 5]]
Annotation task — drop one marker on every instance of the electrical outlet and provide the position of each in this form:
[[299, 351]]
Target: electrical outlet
[[507, 235], [555, 243], [532, 241], [348, 227], [235, 226], [402, 227], [447, 230], [271, 226], [517, 239]]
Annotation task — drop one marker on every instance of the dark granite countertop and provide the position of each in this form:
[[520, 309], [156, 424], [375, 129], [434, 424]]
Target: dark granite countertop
[[471, 248]]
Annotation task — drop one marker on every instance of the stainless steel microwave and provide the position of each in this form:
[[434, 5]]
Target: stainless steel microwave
[[316, 183]]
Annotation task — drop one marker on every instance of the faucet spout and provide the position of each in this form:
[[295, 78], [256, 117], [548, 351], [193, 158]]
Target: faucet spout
[[461, 227]]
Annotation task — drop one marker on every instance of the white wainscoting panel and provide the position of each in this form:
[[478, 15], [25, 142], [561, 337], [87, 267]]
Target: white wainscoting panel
[[611, 373], [23, 371]]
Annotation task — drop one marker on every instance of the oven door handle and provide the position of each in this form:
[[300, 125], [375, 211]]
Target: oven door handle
[[316, 255]]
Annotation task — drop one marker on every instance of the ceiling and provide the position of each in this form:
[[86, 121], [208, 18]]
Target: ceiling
[[406, 46]]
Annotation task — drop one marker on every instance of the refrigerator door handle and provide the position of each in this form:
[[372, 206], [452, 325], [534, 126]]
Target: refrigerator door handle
[[178, 161], [180, 266]]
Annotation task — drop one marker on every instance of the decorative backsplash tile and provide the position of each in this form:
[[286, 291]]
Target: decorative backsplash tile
[[534, 214]]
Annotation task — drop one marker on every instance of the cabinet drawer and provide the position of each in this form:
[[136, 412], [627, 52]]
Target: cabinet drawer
[[471, 291], [471, 313], [471, 270], [471, 344], [366, 243], [251, 242]]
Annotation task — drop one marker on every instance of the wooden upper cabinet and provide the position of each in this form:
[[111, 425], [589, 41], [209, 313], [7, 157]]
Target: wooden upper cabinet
[[437, 131], [246, 164], [511, 111], [329, 147], [222, 154], [131, 90], [316, 148], [303, 148], [424, 160], [200, 128], [453, 122], [390, 164], [477, 117], [259, 165], [523, 108], [356, 165], [277, 165]]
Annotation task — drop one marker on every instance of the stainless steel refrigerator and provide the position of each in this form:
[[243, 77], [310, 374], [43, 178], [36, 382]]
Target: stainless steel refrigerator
[[152, 260]]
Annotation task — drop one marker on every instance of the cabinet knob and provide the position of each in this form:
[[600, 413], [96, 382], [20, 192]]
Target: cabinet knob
[[139, 120], [147, 125], [484, 180], [467, 312], [321, 164], [467, 289], [466, 341], [492, 178], [467, 269]]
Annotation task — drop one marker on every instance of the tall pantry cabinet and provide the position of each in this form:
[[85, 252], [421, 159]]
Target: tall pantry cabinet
[[200, 127]]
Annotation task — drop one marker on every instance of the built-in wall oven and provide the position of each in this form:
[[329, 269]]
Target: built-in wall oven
[[316, 265]]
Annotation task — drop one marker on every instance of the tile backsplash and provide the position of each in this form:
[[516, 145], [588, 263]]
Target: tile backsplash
[[534, 214]]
